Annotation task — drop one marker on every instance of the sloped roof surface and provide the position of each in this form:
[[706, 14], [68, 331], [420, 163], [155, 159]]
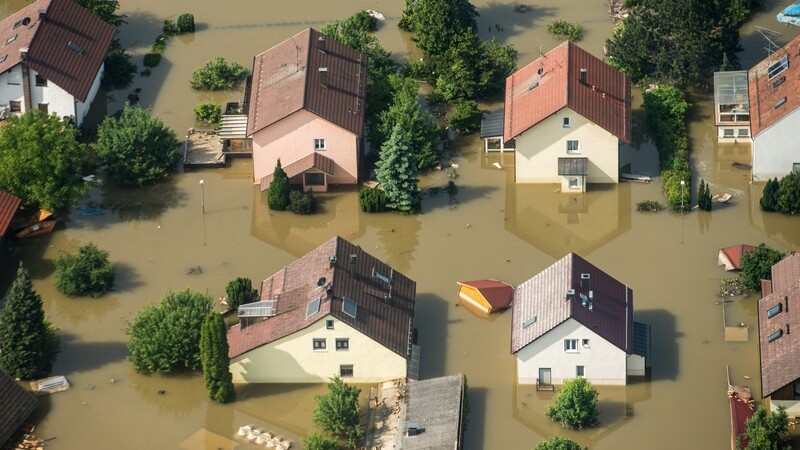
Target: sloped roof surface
[[766, 91], [66, 45], [286, 79], [734, 254], [786, 272], [312, 161], [385, 311], [8, 206], [497, 293], [16, 404], [780, 359], [435, 405], [552, 82], [545, 297]]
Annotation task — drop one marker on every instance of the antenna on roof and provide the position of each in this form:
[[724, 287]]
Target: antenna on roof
[[768, 34]]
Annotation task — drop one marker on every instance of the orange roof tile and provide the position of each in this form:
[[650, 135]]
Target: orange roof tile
[[772, 98]]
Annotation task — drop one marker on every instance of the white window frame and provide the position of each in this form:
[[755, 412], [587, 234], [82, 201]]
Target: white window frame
[[585, 343], [342, 344], [728, 132], [571, 345], [574, 183], [566, 122], [320, 344], [743, 132], [319, 144], [576, 149]]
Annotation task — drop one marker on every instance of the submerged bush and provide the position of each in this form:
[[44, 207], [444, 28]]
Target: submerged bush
[[170, 28], [302, 202], [208, 113], [372, 200], [561, 29], [649, 206], [217, 75], [186, 23], [86, 273], [152, 59]]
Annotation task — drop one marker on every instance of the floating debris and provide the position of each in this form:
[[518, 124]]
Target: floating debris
[[194, 270], [50, 385]]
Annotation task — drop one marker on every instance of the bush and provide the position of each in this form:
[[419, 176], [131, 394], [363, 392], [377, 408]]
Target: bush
[[649, 206], [766, 430], [557, 443], [170, 28], [757, 265], [214, 356], [302, 202], [86, 273], [466, 117], [769, 197], [576, 404], [240, 291], [372, 200], [151, 59], [789, 194], [316, 441], [160, 44], [363, 21], [186, 23], [278, 194], [217, 75], [561, 29], [119, 70], [208, 113]]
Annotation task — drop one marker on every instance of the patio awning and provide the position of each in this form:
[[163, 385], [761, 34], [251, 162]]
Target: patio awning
[[492, 124], [233, 127], [312, 161], [573, 166]]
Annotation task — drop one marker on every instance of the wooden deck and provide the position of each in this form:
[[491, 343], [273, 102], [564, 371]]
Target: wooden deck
[[203, 148]]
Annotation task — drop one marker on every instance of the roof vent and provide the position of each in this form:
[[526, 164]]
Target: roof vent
[[23, 53], [533, 86], [585, 280], [413, 429], [583, 75], [42, 14], [584, 300], [332, 260], [323, 76], [321, 44], [353, 265], [590, 306], [570, 294], [321, 282]]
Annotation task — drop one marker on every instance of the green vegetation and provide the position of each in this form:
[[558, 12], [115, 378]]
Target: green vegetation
[[704, 196], [186, 23], [28, 342], [766, 431], [338, 412], [769, 197], [169, 28], [757, 265], [649, 206], [557, 443], [166, 337], [41, 162], [466, 117], [666, 108], [396, 170], [561, 30], [136, 149], [86, 273], [214, 358], [218, 75], [372, 200], [104, 9], [279, 190], [789, 194], [240, 291], [119, 70], [151, 59], [208, 112], [316, 441], [576, 404], [302, 202]]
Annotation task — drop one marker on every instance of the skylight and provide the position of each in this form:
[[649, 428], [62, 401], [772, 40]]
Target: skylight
[[533, 86], [774, 311], [349, 307], [3, 58], [75, 47], [381, 276], [777, 67], [10, 40], [780, 102], [775, 335], [264, 308], [313, 307], [529, 322]]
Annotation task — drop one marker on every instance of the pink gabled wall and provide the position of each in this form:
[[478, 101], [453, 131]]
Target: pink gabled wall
[[292, 138]]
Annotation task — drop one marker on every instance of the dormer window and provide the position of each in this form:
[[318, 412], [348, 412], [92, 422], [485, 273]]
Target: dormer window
[[778, 67]]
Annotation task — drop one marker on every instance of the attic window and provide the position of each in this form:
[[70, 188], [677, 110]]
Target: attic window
[[21, 22], [349, 307], [76, 48], [533, 86], [775, 335], [774, 311], [10, 40], [313, 307], [529, 322], [778, 82], [3, 58], [777, 67], [381, 276], [779, 103]]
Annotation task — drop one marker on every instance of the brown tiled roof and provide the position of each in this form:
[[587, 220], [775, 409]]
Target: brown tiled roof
[[497, 293], [313, 161], [552, 82], [52, 42], [764, 95], [8, 206], [734, 254], [786, 273], [286, 79], [545, 297], [780, 359], [385, 312], [16, 404]]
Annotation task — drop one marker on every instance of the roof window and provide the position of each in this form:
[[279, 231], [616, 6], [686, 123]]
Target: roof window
[[381, 276], [533, 86], [775, 335], [529, 322], [780, 102], [313, 307], [774, 311], [777, 67], [21, 22], [349, 307], [10, 40], [76, 48], [3, 58], [778, 82]]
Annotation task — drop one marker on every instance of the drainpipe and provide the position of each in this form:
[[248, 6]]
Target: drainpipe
[[26, 89]]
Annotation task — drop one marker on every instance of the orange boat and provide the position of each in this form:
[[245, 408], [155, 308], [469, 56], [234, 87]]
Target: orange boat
[[42, 224]]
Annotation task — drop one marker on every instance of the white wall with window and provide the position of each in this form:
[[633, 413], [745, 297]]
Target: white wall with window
[[733, 133], [319, 144], [777, 148]]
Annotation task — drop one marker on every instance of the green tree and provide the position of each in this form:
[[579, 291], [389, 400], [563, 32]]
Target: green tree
[[557, 443], [185, 23], [499, 62], [757, 265], [240, 291], [396, 170], [466, 117], [279, 189], [460, 78], [208, 113], [119, 70], [136, 149], [41, 162], [789, 193], [218, 75], [316, 441], [765, 431], [338, 412], [372, 200], [214, 357], [28, 343], [769, 197], [86, 273], [166, 337], [576, 404], [704, 196], [302, 202], [104, 9]]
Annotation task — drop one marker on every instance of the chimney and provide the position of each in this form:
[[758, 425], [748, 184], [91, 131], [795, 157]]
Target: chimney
[[321, 44], [42, 15], [585, 281], [353, 265], [332, 260], [583, 76], [23, 53], [323, 76]]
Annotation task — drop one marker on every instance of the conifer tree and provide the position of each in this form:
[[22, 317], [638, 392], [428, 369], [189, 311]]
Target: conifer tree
[[769, 197], [704, 196], [397, 172], [279, 189], [214, 356], [28, 343]]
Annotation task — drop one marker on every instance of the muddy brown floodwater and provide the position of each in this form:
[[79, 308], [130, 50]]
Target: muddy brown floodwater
[[497, 229]]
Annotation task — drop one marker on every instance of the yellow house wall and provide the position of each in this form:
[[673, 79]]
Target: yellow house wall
[[470, 294], [294, 360], [539, 148]]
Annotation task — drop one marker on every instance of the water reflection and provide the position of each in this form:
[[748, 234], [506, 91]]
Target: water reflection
[[781, 228]]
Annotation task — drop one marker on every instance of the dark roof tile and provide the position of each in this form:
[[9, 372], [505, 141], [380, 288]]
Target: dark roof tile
[[16, 404]]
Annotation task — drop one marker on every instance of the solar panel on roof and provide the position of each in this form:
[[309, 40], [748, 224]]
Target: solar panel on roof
[[313, 307], [349, 307]]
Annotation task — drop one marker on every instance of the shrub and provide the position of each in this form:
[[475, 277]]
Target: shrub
[[208, 113], [86, 273], [649, 206], [757, 265], [160, 43], [466, 117], [240, 291], [338, 413], [151, 59], [789, 194], [186, 23], [561, 29], [769, 197], [316, 441], [170, 28], [217, 75], [302, 202], [278, 195], [363, 21], [119, 70], [557, 443], [372, 200], [576, 404], [215, 360]]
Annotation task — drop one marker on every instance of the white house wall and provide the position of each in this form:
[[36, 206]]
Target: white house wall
[[82, 108], [8, 91], [58, 101], [538, 149], [604, 363], [776, 148], [293, 359]]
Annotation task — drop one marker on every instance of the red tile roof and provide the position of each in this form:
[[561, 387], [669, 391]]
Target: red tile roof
[[286, 79], [780, 359], [67, 46], [313, 161], [497, 293], [385, 311], [16, 404], [741, 410], [764, 95], [786, 273], [734, 255], [552, 82], [545, 297], [8, 207]]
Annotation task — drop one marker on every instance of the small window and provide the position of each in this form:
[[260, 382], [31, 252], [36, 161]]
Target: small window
[[573, 146], [320, 344], [15, 106], [579, 371], [329, 324], [3, 58], [43, 108], [585, 343], [319, 144], [777, 67], [744, 132], [780, 102], [314, 179], [566, 123], [727, 132], [570, 345], [778, 82], [774, 311], [574, 183], [75, 47], [41, 81], [349, 307], [381, 277], [14, 77], [346, 371], [775, 335], [494, 143], [313, 307], [529, 322], [10, 40], [342, 344]]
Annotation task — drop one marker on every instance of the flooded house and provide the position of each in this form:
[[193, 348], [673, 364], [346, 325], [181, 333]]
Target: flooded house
[[8, 207], [52, 59], [731, 257], [572, 319], [486, 295], [778, 313], [732, 106], [16, 405], [306, 109], [567, 113], [335, 311], [775, 112]]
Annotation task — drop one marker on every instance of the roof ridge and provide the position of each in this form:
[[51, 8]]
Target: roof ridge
[[306, 84]]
